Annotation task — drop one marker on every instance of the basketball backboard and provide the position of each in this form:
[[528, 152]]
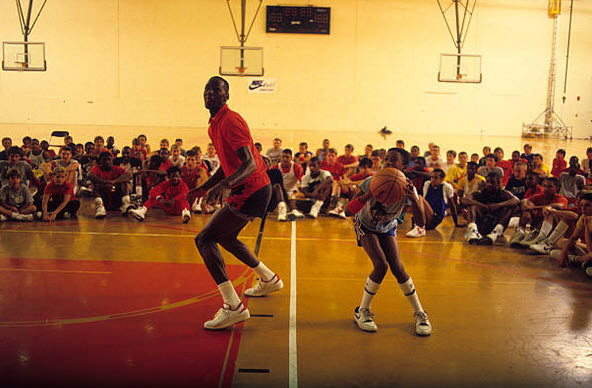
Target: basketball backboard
[[241, 61], [461, 68], [23, 56]]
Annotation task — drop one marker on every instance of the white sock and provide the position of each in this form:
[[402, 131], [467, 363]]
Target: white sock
[[14, 216], [472, 226], [125, 199], [558, 232], [99, 202], [545, 228], [229, 294], [409, 290], [280, 206], [139, 190], [264, 273], [370, 289]]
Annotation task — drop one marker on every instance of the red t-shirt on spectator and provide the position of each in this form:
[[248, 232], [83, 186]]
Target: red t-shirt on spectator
[[165, 165], [111, 175], [360, 177], [336, 169], [529, 193], [190, 177], [558, 166], [506, 165], [345, 160], [167, 190], [59, 192], [541, 200]]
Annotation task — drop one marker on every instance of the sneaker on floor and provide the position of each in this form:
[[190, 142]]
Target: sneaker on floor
[[516, 238], [139, 214], [365, 319], [265, 288], [530, 239], [3, 218], [485, 240], [423, 327], [417, 231], [315, 209], [196, 208], [185, 215], [226, 317], [100, 212], [66, 216], [125, 208], [39, 215], [295, 215], [588, 269], [24, 217], [473, 236], [543, 247]]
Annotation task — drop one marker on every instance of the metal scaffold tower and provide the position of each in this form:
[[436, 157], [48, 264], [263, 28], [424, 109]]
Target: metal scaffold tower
[[548, 123]]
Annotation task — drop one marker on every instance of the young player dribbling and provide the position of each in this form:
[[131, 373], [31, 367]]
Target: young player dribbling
[[243, 171], [375, 225]]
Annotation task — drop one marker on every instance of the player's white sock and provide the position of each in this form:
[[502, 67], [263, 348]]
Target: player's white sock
[[558, 232], [497, 231], [370, 289], [545, 228], [264, 273], [409, 290], [229, 294]]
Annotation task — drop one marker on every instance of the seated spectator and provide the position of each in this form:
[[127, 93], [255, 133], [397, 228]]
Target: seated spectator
[[79, 151], [533, 186], [517, 182], [559, 163], [348, 160], [376, 160], [516, 158], [413, 155], [36, 154], [527, 154], [316, 185], [165, 162], [138, 151], [505, 165], [291, 172], [111, 146], [483, 160], [457, 171], [539, 167], [195, 173], [571, 183], [302, 157], [532, 214], [367, 152], [585, 161], [176, 158], [212, 158], [15, 155], [26, 147], [6, 143], [71, 167], [144, 144], [439, 196], [275, 153], [179, 143], [418, 174], [349, 187], [488, 211], [491, 167], [151, 175], [322, 152], [562, 221], [48, 154], [337, 171], [68, 140], [16, 201], [428, 152], [58, 198], [400, 144], [475, 158], [450, 160], [471, 182], [265, 158], [100, 147], [170, 196], [133, 165], [279, 195], [435, 160], [109, 186]]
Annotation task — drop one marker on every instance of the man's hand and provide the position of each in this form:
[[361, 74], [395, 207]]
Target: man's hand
[[216, 194]]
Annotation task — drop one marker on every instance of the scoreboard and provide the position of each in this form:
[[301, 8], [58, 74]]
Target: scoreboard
[[298, 20]]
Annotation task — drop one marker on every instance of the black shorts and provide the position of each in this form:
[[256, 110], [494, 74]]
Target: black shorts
[[254, 206], [361, 231]]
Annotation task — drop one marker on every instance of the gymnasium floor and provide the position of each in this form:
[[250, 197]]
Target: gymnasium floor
[[115, 302]]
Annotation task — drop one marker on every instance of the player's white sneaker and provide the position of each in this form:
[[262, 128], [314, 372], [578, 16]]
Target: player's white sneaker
[[473, 236], [543, 247], [282, 212], [226, 317], [365, 319], [423, 327], [265, 288], [315, 209], [417, 231], [295, 215], [185, 215], [139, 214]]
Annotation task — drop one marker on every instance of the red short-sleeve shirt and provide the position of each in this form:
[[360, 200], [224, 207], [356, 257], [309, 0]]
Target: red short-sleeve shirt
[[336, 169], [112, 174], [541, 200], [59, 192], [229, 132]]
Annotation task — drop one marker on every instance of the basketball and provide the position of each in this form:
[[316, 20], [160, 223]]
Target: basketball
[[388, 186]]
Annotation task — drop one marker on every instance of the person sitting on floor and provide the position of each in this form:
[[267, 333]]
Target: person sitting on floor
[[170, 196], [570, 182], [316, 185], [194, 174], [58, 198], [488, 211], [109, 186], [438, 196], [16, 201]]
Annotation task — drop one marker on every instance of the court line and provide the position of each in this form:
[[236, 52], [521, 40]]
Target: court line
[[54, 270], [293, 351]]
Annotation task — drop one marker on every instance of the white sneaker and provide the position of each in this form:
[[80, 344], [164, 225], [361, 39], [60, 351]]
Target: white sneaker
[[543, 247], [339, 211], [423, 327], [315, 209], [196, 208], [100, 212], [186, 215], [516, 238], [295, 215], [3, 218], [282, 212], [265, 288], [417, 231], [24, 217], [473, 236], [125, 205], [139, 214], [529, 240], [226, 317], [39, 215], [66, 216], [365, 319]]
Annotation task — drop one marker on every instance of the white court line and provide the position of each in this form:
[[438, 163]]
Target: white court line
[[293, 351]]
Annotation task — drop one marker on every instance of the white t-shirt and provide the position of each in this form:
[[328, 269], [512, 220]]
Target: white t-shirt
[[447, 190], [309, 181], [438, 163]]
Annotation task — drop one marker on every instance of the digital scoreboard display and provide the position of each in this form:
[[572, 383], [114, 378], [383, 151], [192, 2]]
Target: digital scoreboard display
[[298, 20]]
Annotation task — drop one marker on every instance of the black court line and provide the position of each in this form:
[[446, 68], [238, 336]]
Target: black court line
[[247, 370], [262, 315]]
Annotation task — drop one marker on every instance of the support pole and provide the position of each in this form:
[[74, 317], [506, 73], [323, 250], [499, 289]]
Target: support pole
[[458, 39]]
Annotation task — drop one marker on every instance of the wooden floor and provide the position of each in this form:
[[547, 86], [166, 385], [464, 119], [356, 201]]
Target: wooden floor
[[500, 317]]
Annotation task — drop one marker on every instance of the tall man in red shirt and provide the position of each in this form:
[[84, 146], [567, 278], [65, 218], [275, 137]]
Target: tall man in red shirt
[[243, 171]]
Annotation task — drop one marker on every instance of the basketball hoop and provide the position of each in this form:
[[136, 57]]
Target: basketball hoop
[[21, 66], [241, 69]]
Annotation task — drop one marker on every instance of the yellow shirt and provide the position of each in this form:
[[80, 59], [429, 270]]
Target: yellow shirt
[[468, 187], [455, 174]]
